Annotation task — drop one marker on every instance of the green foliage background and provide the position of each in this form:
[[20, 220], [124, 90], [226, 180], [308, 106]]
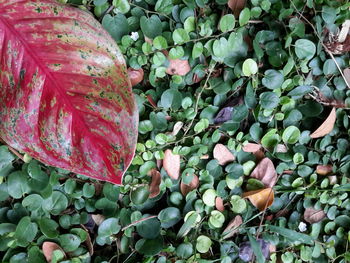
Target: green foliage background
[[276, 57]]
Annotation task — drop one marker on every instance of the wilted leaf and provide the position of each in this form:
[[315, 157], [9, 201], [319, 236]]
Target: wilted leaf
[[312, 215], [324, 169], [232, 227], [48, 248], [88, 241], [155, 182], [222, 154], [171, 164], [346, 73], [219, 204], [344, 32], [73, 105], [186, 188], [236, 6], [135, 76], [151, 101], [265, 171], [326, 127], [98, 219], [177, 128], [251, 147], [178, 67], [261, 199]]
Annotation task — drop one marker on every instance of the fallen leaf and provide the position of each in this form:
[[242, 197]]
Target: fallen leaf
[[135, 76], [204, 157], [151, 101], [232, 227], [326, 127], [222, 154], [186, 188], [155, 182], [251, 147], [178, 67], [159, 164], [148, 40], [98, 219], [312, 215], [219, 204], [177, 127], [346, 73], [261, 199], [344, 32], [259, 155], [281, 148], [324, 169], [171, 164], [236, 6], [265, 172], [333, 179], [48, 248]]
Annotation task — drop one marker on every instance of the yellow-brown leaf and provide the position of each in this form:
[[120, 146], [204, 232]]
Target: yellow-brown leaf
[[326, 127], [222, 154], [171, 164], [261, 199]]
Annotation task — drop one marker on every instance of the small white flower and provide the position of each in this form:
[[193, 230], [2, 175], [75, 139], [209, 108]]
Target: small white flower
[[134, 36], [302, 227]]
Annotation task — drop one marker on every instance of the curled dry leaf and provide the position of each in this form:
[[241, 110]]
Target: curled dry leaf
[[232, 227], [333, 179], [159, 164], [326, 127], [222, 154], [186, 188], [346, 73], [251, 147], [155, 182], [178, 67], [48, 248], [324, 169], [98, 219], [135, 76], [344, 32], [177, 127], [219, 204], [204, 157], [312, 215], [265, 172], [236, 6], [171, 164], [261, 199]]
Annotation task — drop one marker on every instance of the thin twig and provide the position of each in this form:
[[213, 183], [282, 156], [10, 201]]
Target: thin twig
[[198, 98]]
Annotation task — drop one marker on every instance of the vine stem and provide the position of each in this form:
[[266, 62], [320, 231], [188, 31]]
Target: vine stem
[[198, 98], [138, 221], [323, 45]]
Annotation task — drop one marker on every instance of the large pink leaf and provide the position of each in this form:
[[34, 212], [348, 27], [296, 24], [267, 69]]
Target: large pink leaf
[[65, 97]]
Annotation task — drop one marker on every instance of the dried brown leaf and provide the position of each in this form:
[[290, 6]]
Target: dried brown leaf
[[48, 248], [151, 101], [259, 155], [251, 147], [265, 172], [155, 182], [346, 73], [236, 6], [261, 199], [186, 188], [98, 219], [222, 154], [178, 67], [219, 204], [326, 127], [324, 169], [232, 227], [88, 241], [312, 215], [135, 76], [177, 127], [171, 164], [344, 32]]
